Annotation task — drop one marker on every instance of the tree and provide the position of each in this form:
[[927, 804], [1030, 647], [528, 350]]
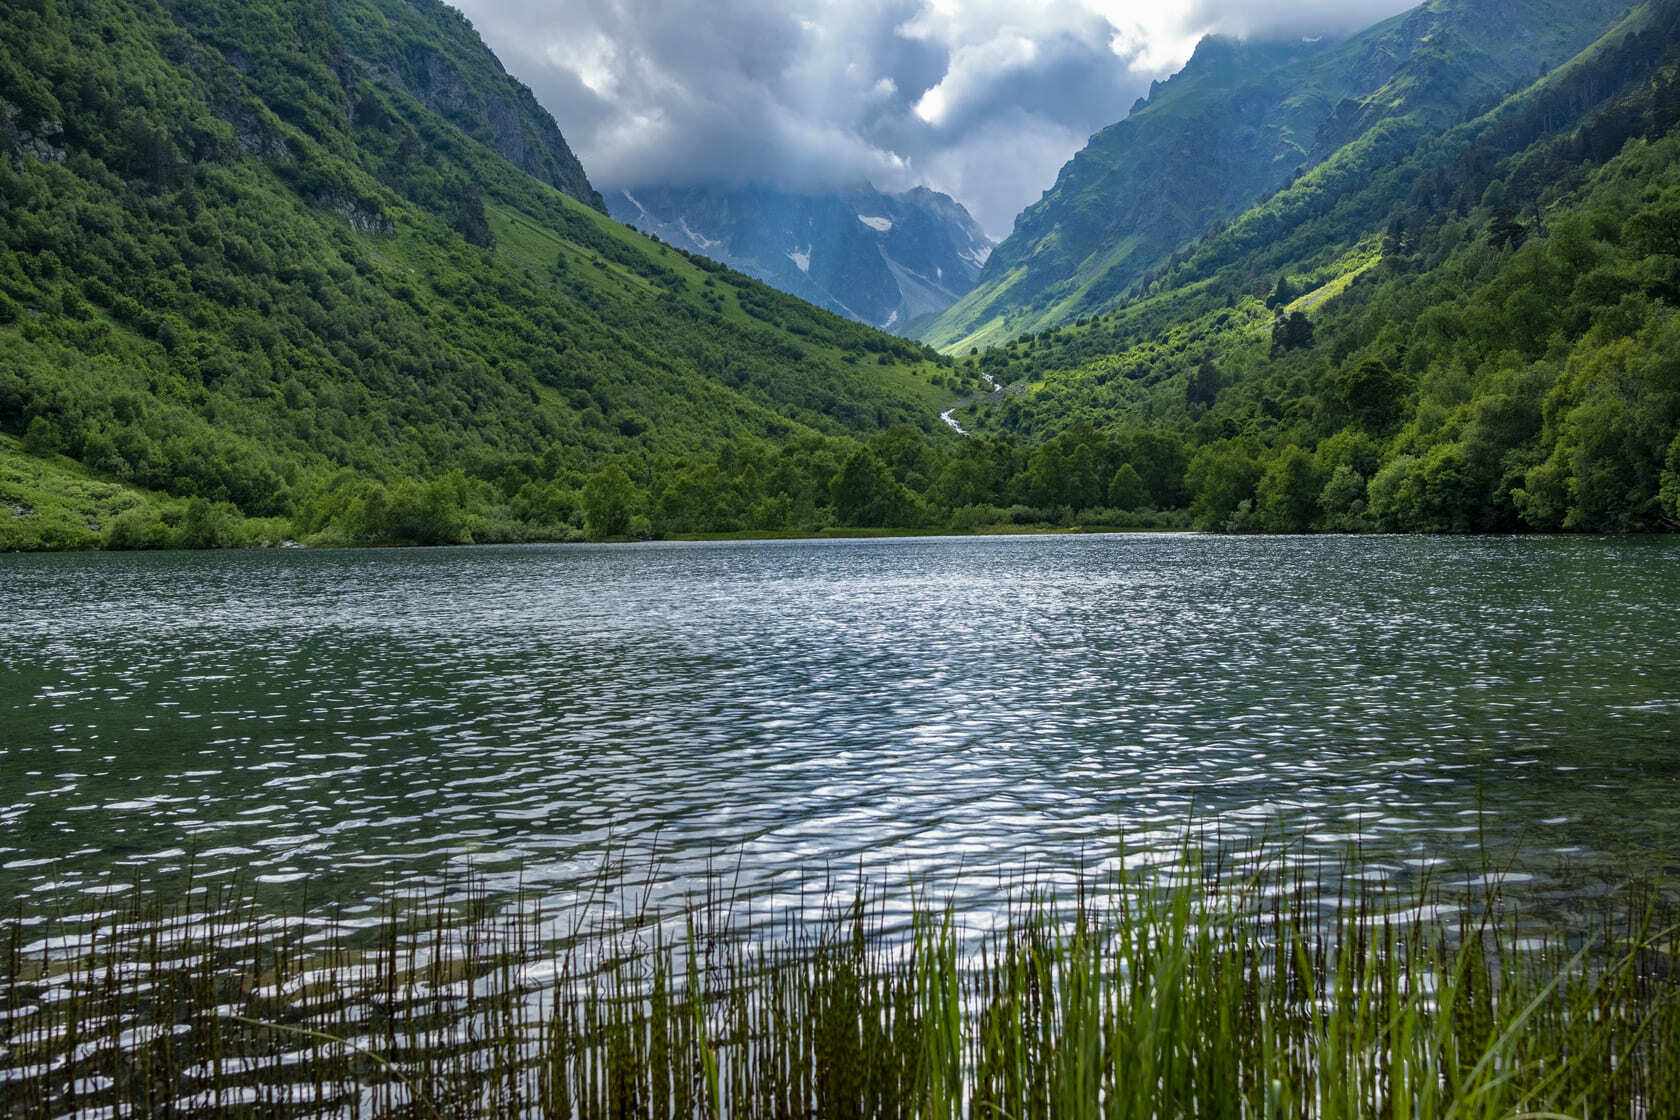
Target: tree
[[1293, 331], [1394, 492], [965, 481], [1669, 496], [1126, 490], [1373, 394], [905, 452], [1202, 389], [1429, 494], [699, 499], [1042, 483], [431, 513], [1398, 239], [866, 495], [1083, 486], [1221, 477], [1342, 501], [1160, 459], [607, 498], [208, 525], [1288, 494], [147, 153], [1654, 230], [41, 437], [1504, 231], [138, 527]]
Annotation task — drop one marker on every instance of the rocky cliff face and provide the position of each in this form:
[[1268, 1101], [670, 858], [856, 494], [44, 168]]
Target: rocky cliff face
[[878, 258], [41, 139], [430, 51]]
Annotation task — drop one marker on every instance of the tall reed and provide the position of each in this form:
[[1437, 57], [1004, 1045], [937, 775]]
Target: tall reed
[[1186, 995]]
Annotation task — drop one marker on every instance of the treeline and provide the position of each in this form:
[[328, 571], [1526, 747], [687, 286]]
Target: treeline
[[899, 479]]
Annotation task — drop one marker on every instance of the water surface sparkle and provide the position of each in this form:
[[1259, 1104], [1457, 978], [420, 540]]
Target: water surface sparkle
[[355, 724]]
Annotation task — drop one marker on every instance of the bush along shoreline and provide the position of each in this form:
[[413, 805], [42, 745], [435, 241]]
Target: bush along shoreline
[[1184, 994]]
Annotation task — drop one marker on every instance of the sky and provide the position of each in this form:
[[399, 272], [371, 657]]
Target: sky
[[982, 99]]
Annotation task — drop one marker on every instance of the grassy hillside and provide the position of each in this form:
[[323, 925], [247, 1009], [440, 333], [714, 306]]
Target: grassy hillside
[[1242, 120], [244, 267]]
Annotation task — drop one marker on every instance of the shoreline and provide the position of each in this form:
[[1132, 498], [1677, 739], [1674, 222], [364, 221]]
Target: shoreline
[[748, 535], [292, 545]]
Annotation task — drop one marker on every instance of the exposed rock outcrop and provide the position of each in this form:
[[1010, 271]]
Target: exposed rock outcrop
[[363, 216], [431, 52], [40, 139]]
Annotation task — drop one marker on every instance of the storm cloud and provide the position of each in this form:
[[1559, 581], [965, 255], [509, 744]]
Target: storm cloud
[[982, 99]]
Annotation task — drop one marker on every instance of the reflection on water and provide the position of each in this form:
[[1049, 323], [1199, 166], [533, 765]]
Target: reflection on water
[[348, 725]]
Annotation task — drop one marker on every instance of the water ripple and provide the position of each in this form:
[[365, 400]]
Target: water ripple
[[348, 725]]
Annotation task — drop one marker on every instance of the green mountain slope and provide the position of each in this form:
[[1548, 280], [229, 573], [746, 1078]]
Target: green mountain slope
[[246, 264], [1241, 120], [1474, 331]]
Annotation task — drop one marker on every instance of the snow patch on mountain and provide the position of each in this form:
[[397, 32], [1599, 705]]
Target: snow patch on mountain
[[635, 202], [706, 244], [881, 259]]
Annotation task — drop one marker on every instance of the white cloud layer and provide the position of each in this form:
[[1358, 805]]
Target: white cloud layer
[[982, 99]]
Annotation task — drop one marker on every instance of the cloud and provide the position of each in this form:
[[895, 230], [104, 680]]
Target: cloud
[[983, 99], [1292, 17]]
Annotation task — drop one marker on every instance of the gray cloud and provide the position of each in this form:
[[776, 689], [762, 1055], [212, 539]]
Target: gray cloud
[[1305, 17], [983, 99]]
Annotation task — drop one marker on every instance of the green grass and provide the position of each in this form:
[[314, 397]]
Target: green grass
[[1364, 257], [1183, 993], [50, 503]]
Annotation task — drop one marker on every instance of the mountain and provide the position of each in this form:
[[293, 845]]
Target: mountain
[[322, 262], [1474, 328], [881, 259], [253, 286], [431, 52], [1241, 120]]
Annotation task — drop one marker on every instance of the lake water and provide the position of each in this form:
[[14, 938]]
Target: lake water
[[337, 727]]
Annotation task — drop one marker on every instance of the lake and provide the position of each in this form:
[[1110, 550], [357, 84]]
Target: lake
[[336, 728]]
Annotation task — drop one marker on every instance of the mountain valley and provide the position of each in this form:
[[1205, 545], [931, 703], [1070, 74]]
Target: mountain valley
[[325, 271]]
